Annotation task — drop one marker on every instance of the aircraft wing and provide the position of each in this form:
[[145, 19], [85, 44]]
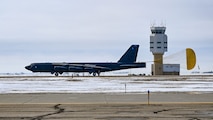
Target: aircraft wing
[[85, 66], [89, 66]]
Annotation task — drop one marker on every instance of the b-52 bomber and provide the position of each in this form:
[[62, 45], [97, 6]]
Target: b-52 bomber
[[128, 60]]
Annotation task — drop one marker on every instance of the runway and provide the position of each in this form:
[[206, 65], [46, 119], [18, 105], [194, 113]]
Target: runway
[[162, 106], [106, 112], [107, 98], [108, 105]]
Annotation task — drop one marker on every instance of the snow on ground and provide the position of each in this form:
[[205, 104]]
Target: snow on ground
[[43, 84]]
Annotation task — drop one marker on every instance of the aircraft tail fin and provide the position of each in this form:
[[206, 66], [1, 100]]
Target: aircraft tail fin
[[130, 55]]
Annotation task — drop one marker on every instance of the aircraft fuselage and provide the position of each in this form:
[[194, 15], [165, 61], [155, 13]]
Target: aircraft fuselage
[[82, 67]]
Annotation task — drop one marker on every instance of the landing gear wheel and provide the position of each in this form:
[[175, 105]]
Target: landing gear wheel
[[56, 74], [98, 73], [94, 74]]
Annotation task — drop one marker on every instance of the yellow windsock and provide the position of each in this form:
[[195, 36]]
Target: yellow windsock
[[190, 58]]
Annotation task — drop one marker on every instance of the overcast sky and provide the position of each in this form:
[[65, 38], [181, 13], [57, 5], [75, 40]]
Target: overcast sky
[[100, 30]]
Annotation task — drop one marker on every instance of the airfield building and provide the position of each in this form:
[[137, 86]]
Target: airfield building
[[158, 46]]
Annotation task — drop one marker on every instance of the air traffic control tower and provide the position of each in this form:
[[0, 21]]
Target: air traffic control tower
[[158, 45]]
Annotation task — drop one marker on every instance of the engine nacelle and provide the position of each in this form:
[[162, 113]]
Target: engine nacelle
[[60, 68]]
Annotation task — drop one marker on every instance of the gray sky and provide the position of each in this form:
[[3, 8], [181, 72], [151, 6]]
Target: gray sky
[[100, 30]]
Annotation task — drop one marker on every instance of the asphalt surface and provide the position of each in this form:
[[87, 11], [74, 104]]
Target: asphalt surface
[[162, 106], [110, 98]]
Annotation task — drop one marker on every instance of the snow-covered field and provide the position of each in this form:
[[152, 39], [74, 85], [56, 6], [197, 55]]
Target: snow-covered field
[[196, 84]]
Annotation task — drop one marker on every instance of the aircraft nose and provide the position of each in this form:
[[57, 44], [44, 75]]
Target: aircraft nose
[[28, 67]]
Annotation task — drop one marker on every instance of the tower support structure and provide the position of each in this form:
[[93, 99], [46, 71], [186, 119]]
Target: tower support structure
[[157, 67]]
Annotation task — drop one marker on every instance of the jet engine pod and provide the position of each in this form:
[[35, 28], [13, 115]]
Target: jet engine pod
[[60, 68]]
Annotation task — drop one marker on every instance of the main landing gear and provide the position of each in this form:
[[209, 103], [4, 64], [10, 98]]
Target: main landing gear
[[94, 73], [57, 73]]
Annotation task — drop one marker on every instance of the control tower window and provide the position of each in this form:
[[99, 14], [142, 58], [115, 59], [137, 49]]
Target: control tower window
[[158, 32]]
